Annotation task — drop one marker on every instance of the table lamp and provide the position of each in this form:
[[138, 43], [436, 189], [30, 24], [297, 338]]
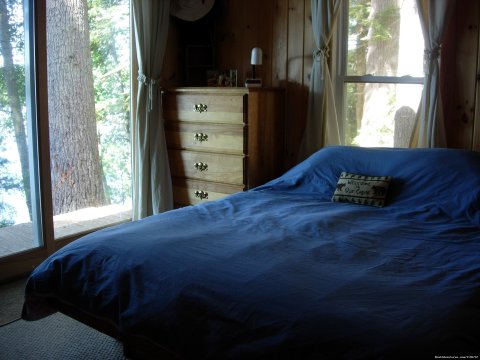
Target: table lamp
[[256, 59]]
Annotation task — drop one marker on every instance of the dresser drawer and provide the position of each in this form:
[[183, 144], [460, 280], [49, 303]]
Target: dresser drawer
[[191, 192], [224, 138], [207, 166], [205, 108]]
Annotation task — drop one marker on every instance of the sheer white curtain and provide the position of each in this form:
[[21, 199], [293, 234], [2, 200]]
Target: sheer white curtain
[[430, 129], [321, 127], [152, 187]]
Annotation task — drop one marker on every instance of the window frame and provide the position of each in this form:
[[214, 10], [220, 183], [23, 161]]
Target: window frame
[[21, 263], [340, 51]]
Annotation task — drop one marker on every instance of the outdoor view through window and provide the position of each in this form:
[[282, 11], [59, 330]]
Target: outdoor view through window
[[382, 72], [88, 49], [88, 109]]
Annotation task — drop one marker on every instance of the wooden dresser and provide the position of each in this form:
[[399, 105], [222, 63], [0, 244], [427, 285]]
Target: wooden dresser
[[222, 140]]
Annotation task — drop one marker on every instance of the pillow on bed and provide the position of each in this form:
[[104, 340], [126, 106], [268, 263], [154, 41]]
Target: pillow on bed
[[361, 189]]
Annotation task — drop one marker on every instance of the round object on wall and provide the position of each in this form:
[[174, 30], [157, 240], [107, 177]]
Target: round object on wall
[[190, 10]]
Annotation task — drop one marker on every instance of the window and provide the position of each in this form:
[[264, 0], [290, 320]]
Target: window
[[88, 72], [20, 223], [88, 61], [379, 71]]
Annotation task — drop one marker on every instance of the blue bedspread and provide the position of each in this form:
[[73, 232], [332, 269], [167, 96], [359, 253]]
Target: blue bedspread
[[282, 272]]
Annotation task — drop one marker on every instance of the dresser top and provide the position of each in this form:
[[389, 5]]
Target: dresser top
[[222, 90]]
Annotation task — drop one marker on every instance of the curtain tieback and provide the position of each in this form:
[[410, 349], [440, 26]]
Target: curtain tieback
[[151, 85], [321, 53], [430, 55]]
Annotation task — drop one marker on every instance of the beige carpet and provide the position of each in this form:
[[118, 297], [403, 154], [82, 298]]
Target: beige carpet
[[56, 337], [11, 300]]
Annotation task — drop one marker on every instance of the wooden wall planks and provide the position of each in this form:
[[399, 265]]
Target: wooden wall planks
[[297, 90], [283, 30], [243, 26], [476, 75], [280, 45], [459, 60]]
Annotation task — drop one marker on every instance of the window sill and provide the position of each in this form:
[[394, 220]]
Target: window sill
[[18, 238]]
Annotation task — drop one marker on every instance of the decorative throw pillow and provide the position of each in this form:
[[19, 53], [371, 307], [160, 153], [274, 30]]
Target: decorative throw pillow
[[361, 189]]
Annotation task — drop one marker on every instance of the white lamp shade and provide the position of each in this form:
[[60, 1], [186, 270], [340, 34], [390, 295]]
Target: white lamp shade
[[256, 56]]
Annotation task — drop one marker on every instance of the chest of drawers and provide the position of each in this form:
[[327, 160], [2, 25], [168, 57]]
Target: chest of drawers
[[222, 140]]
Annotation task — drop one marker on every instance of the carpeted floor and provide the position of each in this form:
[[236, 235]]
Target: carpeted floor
[[52, 338], [56, 337], [11, 300]]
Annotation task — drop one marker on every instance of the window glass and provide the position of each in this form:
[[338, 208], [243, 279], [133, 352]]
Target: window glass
[[384, 38], [381, 114], [381, 72], [89, 110], [20, 225]]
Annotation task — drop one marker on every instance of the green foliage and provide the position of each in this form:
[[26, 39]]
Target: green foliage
[[15, 23], [10, 182], [109, 43], [20, 80], [7, 183], [359, 23], [384, 21], [6, 215], [351, 97]]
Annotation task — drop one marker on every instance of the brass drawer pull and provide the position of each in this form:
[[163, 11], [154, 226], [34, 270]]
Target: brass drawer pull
[[200, 108], [200, 137], [201, 194], [200, 166]]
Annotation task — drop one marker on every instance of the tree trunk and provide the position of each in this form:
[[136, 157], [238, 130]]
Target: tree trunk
[[382, 59], [382, 55], [14, 101], [76, 169], [361, 69]]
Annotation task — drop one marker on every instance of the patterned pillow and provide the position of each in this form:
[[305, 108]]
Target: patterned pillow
[[361, 189]]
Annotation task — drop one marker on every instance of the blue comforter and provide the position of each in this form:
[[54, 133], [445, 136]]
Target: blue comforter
[[281, 271]]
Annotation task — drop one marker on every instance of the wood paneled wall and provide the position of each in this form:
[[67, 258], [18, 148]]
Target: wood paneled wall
[[460, 52], [283, 29]]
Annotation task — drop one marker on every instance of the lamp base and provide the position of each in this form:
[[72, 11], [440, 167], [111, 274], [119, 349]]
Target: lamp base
[[253, 83]]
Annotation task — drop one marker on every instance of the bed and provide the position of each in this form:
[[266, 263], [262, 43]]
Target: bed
[[284, 272]]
